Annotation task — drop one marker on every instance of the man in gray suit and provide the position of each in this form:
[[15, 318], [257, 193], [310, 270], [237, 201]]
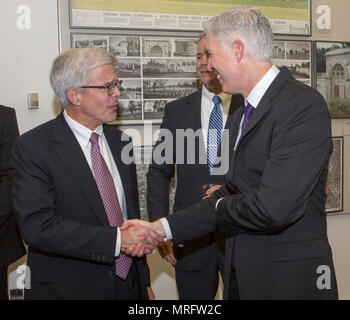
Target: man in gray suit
[[272, 206], [197, 262]]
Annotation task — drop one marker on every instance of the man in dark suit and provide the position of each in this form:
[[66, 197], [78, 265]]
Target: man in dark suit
[[72, 190], [197, 262], [272, 206], [11, 245]]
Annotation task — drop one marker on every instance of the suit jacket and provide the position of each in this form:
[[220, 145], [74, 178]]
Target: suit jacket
[[62, 217], [185, 113], [273, 204], [11, 245]]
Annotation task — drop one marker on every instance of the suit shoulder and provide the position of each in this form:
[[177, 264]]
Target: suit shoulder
[[6, 110], [37, 135], [120, 135], [183, 102]]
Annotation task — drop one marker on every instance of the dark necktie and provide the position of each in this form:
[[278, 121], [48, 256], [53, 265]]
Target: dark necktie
[[214, 132], [248, 111], [110, 200]]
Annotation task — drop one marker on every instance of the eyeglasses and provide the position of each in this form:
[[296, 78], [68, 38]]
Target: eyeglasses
[[109, 86]]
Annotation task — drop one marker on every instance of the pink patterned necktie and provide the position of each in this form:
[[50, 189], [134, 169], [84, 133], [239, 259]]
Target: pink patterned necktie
[[110, 200]]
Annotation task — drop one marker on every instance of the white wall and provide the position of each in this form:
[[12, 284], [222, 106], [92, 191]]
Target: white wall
[[25, 61], [26, 58]]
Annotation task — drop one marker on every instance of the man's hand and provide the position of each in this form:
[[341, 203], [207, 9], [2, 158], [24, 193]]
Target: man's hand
[[151, 295], [139, 239], [166, 251], [211, 190]]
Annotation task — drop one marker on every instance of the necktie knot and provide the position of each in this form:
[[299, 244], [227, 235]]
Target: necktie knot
[[216, 100], [94, 138], [248, 111]]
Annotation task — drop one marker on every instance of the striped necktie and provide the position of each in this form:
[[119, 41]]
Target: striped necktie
[[214, 132]]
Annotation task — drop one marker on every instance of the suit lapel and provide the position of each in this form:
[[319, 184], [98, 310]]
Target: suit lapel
[[69, 150], [233, 120], [265, 103], [116, 146]]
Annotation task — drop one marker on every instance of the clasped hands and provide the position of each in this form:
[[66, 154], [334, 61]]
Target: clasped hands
[[141, 237]]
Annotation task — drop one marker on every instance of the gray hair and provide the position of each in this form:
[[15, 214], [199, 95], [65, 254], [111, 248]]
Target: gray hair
[[246, 24], [70, 68]]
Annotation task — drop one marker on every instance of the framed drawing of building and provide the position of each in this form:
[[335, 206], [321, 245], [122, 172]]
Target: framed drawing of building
[[334, 188], [296, 56], [290, 17], [143, 156], [333, 76], [154, 71]]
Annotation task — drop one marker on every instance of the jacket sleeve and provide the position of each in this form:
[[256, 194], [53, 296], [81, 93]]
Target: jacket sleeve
[[8, 133]]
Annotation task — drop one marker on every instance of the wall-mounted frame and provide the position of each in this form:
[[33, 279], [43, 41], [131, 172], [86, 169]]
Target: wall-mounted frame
[[154, 69], [143, 157], [296, 56], [334, 188], [290, 17], [333, 76]]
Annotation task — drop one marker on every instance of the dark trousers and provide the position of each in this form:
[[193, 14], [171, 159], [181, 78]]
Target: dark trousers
[[128, 289], [234, 292], [202, 284], [3, 284]]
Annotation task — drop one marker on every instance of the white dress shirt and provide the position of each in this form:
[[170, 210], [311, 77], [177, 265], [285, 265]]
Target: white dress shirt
[[207, 106], [83, 135], [257, 93]]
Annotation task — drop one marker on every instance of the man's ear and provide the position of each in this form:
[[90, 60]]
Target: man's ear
[[238, 49], [74, 96]]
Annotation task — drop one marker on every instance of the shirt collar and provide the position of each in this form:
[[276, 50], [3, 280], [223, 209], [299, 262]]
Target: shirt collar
[[82, 133], [261, 87], [225, 98]]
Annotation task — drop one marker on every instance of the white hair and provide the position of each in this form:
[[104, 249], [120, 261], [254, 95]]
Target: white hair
[[69, 69], [246, 24]]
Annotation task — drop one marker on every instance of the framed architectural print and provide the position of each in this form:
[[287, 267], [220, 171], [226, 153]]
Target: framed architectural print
[[143, 157], [296, 56], [333, 76], [154, 71], [334, 189], [286, 16]]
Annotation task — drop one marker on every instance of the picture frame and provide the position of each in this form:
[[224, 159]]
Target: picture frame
[[333, 76], [291, 17], [334, 187], [296, 56], [154, 70], [143, 158]]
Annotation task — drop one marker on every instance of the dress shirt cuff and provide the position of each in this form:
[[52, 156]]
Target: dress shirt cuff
[[118, 243], [166, 226], [217, 203]]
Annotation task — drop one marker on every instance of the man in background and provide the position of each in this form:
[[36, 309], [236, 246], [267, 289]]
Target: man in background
[[11, 245], [197, 262]]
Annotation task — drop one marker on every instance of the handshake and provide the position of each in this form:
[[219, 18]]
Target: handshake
[[140, 237]]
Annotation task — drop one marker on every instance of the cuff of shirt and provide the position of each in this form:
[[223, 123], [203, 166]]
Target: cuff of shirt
[[217, 203], [166, 226], [118, 243]]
